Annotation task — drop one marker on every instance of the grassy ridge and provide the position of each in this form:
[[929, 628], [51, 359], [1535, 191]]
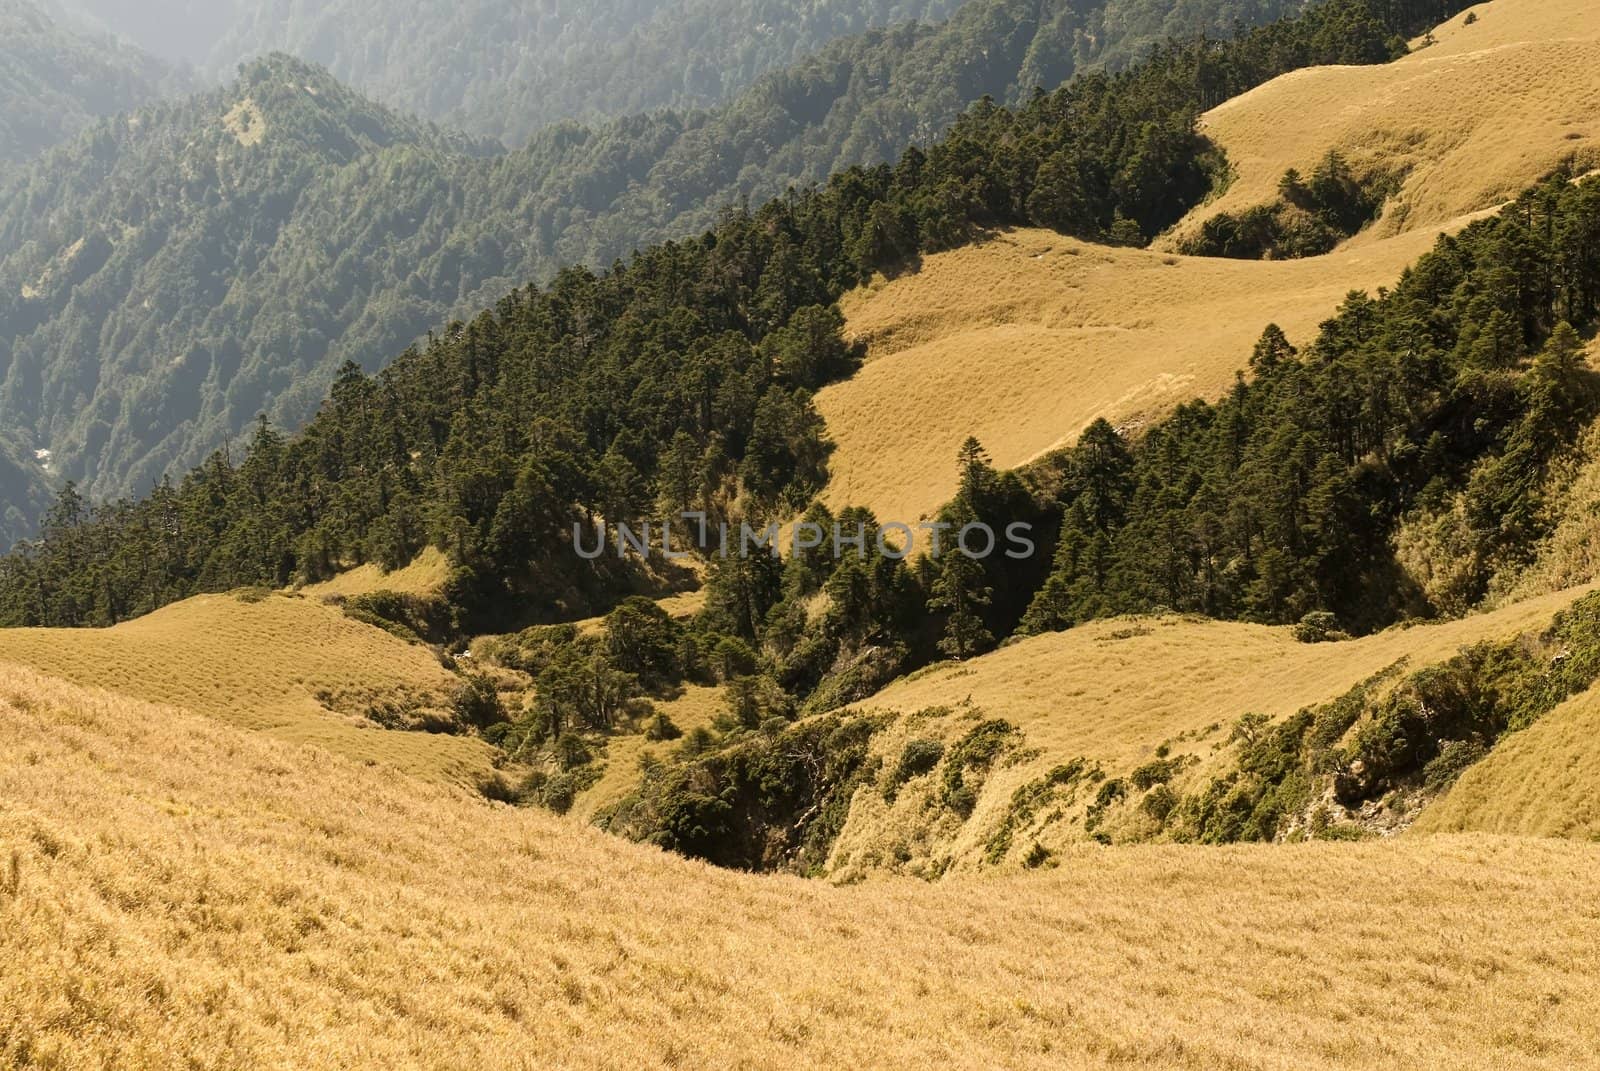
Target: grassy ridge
[[173, 885]]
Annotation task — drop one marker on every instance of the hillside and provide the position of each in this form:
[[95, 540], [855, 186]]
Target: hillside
[[1025, 339], [1110, 694], [532, 65], [24, 492], [1464, 122], [1539, 783], [243, 287], [173, 885], [56, 79], [292, 668]]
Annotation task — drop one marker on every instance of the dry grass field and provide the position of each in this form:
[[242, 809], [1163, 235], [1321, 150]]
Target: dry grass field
[[1112, 692], [1471, 119], [174, 892], [1543, 781], [291, 667], [424, 576], [1025, 339]]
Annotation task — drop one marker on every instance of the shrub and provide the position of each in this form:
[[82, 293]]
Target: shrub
[[1319, 626], [571, 751], [974, 753], [918, 757], [1452, 761], [476, 702], [661, 729], [1160, 803]]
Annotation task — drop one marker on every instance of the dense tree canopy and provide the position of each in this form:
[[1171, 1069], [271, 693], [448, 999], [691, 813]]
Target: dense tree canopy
[[57, 78], [682, 375], [165, 280]]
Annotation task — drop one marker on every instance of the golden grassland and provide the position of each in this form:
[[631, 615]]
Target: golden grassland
[[1471, 119], [174, 892], [1112, 692], [1543, 780], [426, 575], [291, 667], [1025, 339]]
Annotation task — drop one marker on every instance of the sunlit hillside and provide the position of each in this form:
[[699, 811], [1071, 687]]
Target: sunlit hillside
[[1470, 119], [292, 667], [1543, 781], [425, 576], [1112, 693], [173, 885], [1022, 341], [1025, 339]]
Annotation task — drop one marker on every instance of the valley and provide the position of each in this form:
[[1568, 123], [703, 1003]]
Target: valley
[[1281, 751]]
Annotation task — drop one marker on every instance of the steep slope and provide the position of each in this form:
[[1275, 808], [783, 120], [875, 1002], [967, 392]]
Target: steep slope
[[293, 668], [1024, 339], [1506, 92], [134, 334], [174, 886], [1117, 695], [24, 492], [1543, 781], [56, 79], [271, 257]]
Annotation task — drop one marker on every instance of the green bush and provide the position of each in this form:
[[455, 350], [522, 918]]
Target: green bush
[[918, 757], [1319, 626], [476, 702], [661, 729]]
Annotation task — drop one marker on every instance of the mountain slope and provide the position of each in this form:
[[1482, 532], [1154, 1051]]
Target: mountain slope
[[1540, 782], [1117, 695], [24, 492], [143, 335], [57, 79], [291, 667], [176, 886], [1025, 339], [1461, 125]]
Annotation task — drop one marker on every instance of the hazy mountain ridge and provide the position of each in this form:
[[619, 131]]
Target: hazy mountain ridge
[[244, 283], [57, 78], [532, 62]]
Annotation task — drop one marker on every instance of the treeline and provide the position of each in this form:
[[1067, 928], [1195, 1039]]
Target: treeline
[[679, 379], [224, 256], [1442, 401]]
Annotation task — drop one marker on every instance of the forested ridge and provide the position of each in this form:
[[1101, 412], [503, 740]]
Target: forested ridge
[[679, 378], [56, 79], [138, 333], [537, 62]]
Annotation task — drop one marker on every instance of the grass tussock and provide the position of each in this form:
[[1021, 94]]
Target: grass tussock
[[182, 891]]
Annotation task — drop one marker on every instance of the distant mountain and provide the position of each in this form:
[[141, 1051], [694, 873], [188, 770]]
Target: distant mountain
[[505, 68], [165, 279], [57, 78], [24, 492]]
